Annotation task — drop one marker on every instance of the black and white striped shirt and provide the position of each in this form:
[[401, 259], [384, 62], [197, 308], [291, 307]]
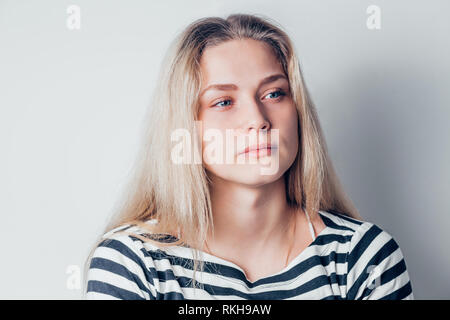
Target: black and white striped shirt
[[349, 259]]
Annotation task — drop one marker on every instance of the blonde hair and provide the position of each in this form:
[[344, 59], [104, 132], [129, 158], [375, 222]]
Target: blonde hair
[[177, 195]]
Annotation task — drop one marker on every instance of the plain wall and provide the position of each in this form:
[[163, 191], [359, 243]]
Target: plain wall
[[72, 102]]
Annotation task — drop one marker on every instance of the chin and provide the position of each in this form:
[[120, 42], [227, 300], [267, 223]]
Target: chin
[[250, 175]]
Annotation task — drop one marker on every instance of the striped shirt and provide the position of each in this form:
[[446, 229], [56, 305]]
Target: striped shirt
[[349, 259]]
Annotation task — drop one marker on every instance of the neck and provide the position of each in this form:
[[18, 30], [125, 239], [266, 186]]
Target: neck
[[249, 218]]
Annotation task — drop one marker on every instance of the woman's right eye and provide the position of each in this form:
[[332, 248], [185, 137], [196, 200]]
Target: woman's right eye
[[222, 106]]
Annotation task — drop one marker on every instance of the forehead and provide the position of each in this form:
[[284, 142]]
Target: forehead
[[237, 61]]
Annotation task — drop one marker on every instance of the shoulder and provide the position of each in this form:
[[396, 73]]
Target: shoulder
[[339, 221], [124, 241], [121, 266], [134, 238], [361, 235], [376, 268]]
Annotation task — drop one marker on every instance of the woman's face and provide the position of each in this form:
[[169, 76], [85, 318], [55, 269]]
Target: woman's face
[[247, 109]]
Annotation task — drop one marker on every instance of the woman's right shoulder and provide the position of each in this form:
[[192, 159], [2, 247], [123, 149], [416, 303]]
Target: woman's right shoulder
[[120, 266], [128, 237]]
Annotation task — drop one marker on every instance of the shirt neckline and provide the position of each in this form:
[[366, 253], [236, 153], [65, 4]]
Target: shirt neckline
[[295, 261]]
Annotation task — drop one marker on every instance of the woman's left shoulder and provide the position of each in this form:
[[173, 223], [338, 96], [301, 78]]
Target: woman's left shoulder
[[371, 238], [376, 266], [360, 233]]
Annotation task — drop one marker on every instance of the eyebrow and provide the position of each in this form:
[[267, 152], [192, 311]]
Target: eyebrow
[[230, 86]]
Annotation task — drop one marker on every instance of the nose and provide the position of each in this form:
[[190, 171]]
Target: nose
[[256, 119]]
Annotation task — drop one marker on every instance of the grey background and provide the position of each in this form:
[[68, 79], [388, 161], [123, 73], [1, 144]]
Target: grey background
[[72, 102]]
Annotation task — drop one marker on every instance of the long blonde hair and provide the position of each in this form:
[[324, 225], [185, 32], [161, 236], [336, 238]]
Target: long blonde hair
[[177, 195]]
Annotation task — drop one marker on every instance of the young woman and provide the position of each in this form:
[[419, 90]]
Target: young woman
[[214, 229]]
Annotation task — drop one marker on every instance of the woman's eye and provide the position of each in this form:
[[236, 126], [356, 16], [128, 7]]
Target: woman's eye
[[279, 92], [223, 104], [222, 101]]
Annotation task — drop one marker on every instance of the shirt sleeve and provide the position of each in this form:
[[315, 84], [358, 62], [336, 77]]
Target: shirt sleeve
[[376, 268], [119, 270]]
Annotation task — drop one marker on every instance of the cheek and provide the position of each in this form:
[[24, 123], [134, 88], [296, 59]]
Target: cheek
[[289, 131], [292, 128], [212, 124], [214, 143]]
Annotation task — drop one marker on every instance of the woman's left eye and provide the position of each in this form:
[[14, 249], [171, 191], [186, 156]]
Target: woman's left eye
[[279, 92]]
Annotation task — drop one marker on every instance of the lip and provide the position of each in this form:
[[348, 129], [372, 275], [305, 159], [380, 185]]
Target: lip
[[258, 148]]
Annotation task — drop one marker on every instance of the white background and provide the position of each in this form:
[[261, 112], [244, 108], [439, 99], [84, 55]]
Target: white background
[[72, 102]]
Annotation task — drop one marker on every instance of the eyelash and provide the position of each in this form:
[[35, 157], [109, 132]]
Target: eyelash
[[281, 92]]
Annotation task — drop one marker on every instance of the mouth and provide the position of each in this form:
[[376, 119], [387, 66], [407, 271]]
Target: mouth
[[260, 149]]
